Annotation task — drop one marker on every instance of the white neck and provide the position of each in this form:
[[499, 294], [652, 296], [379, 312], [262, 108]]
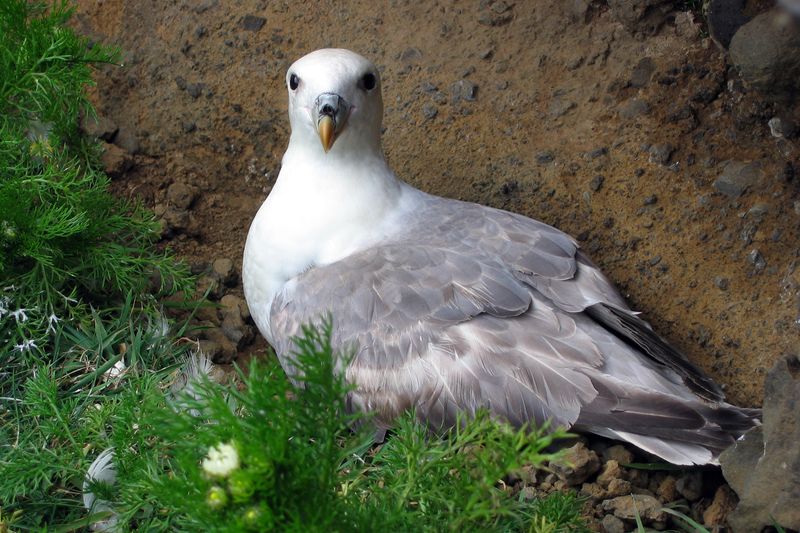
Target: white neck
[[322, 208]]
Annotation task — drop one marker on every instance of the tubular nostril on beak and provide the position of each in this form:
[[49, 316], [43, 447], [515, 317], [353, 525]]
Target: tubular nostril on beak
[[327, 109]]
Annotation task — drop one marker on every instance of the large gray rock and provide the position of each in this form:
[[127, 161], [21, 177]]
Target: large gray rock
[[766, 52], [764, 466], [642, 17]]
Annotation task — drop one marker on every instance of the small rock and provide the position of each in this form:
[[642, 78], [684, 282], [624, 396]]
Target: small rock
[[495, 13], [690, 486], [411, 55], [724, 18], [642, 17], [660, 154], [227, 349], [210, 349], [596, 183], [642, 72], [764, 51], [486, 53], [115, 160], [667, 490], [181, 195], [782, 127], [632, 108], [611, 471], [429, 111], [618, 453], [99, 127], [560, 107], [207, 285], [195, 89], [593, 491], [633, 505], [252, 22], [577, 464], [463, 90], [619, 487], [545, 157], [597, 152], [224, 270], [721, 283], [687, 26], [756, 260], [716, 515], [737, 177], [650, 199], [612, 524]]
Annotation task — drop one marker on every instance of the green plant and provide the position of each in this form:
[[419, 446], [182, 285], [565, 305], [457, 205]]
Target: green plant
[[64, 239], [273, 455]]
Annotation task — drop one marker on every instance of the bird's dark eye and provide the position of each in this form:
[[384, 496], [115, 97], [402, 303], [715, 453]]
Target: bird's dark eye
[[368, 81], [294, 81]]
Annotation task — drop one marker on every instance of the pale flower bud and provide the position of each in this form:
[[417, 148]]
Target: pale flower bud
[[221, 460]]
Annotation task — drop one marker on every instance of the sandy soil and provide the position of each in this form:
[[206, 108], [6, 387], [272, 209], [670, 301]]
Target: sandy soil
[[517, 106]]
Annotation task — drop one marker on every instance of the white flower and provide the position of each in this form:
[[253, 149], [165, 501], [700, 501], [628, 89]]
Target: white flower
[[221, 460], [26, 345], [52, 320], [19, 315]]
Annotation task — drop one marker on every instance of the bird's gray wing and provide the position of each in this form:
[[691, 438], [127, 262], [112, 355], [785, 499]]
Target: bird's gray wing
[[443, 331], [551, 262]]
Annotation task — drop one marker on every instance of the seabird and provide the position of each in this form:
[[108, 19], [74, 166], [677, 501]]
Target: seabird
[[450, 306]]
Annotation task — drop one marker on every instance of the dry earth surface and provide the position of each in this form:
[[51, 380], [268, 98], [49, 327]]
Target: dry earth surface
[[648, 149]]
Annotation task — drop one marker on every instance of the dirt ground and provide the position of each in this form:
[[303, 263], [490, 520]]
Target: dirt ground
[[547, 108]]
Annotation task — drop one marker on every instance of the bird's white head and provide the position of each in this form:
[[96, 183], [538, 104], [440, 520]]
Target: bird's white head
[[335, 102]]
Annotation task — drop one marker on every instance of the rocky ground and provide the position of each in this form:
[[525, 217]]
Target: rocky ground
[[661, 136]]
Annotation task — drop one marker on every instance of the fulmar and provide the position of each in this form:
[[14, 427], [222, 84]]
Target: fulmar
[[449, 307]]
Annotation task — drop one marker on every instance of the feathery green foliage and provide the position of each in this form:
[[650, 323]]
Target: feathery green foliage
[[64, 239], [302, 469]]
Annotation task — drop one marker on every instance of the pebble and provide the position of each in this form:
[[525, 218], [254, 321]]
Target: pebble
[[252, 22], [115, 160], [545, 157], [463, 90], [660, 154], [632, 108], [642, 72], [756, 260], [429, 111], [596, 183], [725, 500], [721, 283], [667, 491], [181, 195], [560, 107], [99, 127], [737, 177], [577, 464], [782, 127], [612, 524], [651, 199], [629, 507], [224, 270], [618, 453]]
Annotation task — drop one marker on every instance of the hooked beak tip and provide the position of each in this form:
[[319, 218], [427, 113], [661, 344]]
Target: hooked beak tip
[[327, 132]]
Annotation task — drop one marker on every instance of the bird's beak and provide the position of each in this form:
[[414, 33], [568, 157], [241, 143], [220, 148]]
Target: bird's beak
[[331, 114]]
